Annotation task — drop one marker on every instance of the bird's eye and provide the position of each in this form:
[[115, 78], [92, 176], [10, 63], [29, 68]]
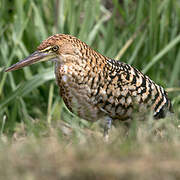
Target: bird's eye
[[55, 48]]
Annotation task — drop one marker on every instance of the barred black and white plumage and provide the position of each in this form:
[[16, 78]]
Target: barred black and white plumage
[[140, 88]]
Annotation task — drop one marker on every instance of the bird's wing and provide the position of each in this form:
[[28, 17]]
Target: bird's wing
[[134, 83]]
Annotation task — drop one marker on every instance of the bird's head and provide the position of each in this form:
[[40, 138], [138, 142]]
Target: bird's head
[[52, 48]]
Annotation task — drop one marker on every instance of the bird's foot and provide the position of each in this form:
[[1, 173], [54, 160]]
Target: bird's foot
[[107, 127]]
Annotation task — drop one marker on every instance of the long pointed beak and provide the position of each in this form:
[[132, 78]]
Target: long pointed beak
[[32, 59]]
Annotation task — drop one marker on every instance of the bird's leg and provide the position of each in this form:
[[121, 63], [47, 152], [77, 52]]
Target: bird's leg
[[107, 127]]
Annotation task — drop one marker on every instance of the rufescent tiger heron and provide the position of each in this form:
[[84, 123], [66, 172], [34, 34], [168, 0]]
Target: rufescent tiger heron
[[96, 87]]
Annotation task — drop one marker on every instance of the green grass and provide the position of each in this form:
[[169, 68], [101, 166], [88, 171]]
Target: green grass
[[39, 137]]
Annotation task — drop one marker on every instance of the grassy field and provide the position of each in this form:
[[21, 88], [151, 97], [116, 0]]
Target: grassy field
[[40, 138]]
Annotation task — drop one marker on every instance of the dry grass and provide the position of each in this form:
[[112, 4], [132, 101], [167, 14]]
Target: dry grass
[[138, 154]]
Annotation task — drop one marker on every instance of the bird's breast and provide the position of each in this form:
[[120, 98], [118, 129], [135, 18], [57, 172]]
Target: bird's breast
[[75, 89]]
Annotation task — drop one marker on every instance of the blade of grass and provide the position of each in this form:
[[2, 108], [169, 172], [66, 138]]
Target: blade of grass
[[39, 22], [156, 58], [50, 100], [175, 71], [96, 28], [137, 48], [126, 46], [27, 87]]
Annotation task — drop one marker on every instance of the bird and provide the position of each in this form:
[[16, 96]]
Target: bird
[[94, 86]]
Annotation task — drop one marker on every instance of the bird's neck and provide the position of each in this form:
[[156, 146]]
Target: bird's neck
[[82, 66]]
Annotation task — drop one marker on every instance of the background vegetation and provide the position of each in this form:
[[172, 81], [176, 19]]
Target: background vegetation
[[39, 137]]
